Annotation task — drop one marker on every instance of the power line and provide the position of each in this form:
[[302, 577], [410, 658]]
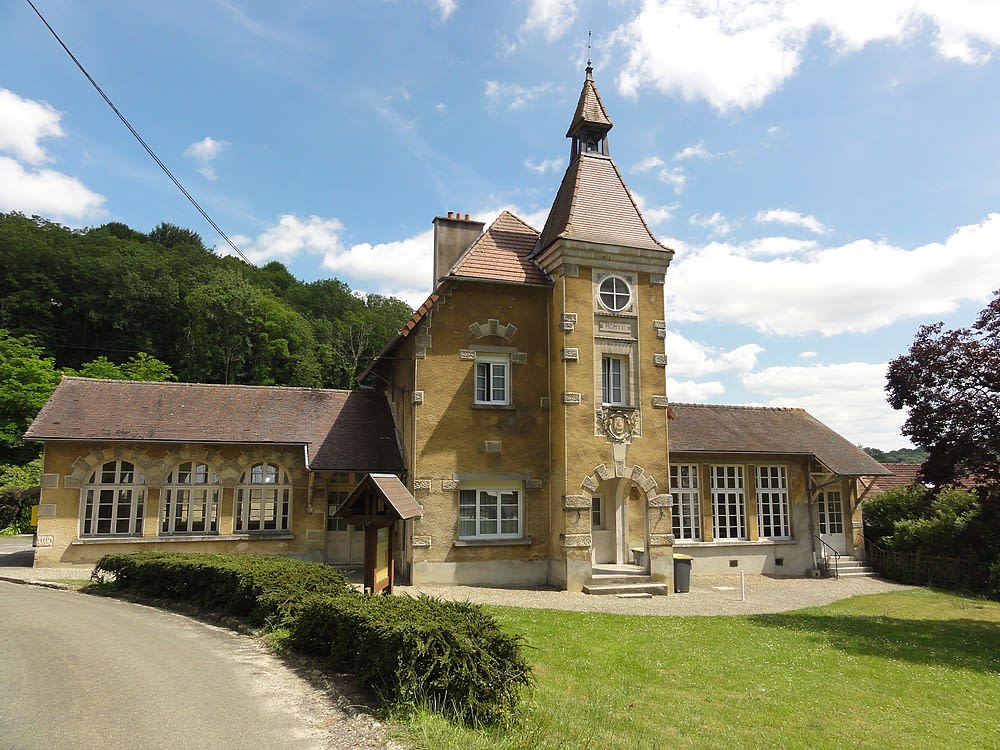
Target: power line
[[138, 137]]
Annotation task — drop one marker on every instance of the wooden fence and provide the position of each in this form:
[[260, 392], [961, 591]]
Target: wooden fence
[[950, 573]]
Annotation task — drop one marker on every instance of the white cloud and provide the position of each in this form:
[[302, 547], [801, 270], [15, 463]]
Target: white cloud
[[511, 95], [25, 122], [847, 397], [446, 8], [791, 218], [650, 162], [674, 177], [693, 360], [717, 224], [543, 166], [208, 173], [808, 355], [46, 192], [654, 215], [551, 17], [698, 151], [777, 246], [853, 288], [735, 53], [207, 149], [290, 237], [689, 391], [400, 268]]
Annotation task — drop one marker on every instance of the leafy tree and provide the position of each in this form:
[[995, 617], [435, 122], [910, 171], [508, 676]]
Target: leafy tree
[[949, 383], [27, 379], [224, 323], [139, 366], [19, 490], [882, 511]]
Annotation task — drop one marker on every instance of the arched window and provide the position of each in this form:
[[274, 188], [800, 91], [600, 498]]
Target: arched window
[[113, 501], [263, 499], [189, 501]]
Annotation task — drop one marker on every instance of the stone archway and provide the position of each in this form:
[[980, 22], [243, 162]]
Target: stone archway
[[578, 539]]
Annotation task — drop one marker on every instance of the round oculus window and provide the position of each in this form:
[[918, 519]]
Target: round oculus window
[[615, 294]]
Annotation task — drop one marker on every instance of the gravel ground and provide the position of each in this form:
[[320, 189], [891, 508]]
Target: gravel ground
[[709, 595]]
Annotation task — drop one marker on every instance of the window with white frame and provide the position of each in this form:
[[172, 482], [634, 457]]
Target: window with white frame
[[686, 508], [728, 502], [334, 499], [492, 379], [772, 502], [614, 293], [263, 499], [613, 380], [189, 501], [490, 512], [113, 501], [831, 513]]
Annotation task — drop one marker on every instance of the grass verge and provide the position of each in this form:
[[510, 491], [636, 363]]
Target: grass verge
[[900, 670]]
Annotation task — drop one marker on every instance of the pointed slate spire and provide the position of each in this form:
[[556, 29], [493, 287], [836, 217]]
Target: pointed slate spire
[[593, 204], [590, 125]]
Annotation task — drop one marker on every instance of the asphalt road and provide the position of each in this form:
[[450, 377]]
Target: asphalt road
[[85, 672]]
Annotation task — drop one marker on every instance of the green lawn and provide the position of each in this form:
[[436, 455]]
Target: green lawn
[[916, 669]]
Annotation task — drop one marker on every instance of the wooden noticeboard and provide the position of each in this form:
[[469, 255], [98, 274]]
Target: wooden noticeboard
[[377, 504]]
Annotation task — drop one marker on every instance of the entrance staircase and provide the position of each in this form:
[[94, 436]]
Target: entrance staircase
[[626, 581], [849, 566]]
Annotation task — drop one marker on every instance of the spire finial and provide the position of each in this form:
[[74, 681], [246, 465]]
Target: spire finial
[[590, 65]]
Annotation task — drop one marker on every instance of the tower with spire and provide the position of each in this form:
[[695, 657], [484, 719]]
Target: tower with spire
[[609, 406], [529, 389]]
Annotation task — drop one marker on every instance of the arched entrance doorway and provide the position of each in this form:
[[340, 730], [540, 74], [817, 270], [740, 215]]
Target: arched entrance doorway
[[618, 520]]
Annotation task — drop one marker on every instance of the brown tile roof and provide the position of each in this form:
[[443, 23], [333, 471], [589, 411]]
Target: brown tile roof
[[711, 428], [900, 475], [593, 205], [390, 489], [502, 253], [343, 430], [589, 108]]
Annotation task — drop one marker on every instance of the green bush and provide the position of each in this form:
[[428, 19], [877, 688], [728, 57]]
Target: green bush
[[449, 656], [256, 587]]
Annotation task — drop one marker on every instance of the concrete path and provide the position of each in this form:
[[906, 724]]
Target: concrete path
[[88, 672]]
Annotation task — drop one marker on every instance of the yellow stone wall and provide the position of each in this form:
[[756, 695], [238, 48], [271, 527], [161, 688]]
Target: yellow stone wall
[[454, 439], [67, 467]]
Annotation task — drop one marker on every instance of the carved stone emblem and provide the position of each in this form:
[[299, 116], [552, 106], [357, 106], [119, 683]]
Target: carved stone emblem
[[618, 424]]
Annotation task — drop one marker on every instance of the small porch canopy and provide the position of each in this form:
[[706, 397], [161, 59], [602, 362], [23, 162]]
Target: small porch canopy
[[376, 504]]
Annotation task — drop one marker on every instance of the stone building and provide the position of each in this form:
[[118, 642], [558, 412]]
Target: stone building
[[523, 405]]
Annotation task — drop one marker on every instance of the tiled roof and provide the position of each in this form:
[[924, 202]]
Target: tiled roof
[[593, 205], [900, 475], [502, 253], [589, 108], [390, 489], [710, 428], [343, 430]]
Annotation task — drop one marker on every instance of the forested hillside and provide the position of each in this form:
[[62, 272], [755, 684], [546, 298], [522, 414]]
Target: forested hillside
[[115, 292]]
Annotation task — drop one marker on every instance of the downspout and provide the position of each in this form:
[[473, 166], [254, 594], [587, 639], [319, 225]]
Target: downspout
[[809, 506]]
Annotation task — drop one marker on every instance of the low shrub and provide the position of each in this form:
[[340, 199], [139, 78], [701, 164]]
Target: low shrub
[[256, 587], [449, 656]]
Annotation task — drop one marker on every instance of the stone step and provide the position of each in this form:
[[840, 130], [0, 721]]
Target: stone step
[[617, 589]]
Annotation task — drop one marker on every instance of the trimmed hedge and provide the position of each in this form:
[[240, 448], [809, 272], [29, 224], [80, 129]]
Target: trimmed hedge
[[255, 587], [451, 657]]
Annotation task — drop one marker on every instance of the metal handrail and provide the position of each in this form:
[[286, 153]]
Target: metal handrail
[[836, 557]]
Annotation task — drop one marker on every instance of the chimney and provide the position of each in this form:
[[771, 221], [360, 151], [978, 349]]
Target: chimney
[[453, 235]]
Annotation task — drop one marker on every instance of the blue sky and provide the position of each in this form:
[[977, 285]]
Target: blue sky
[[828, 172]]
